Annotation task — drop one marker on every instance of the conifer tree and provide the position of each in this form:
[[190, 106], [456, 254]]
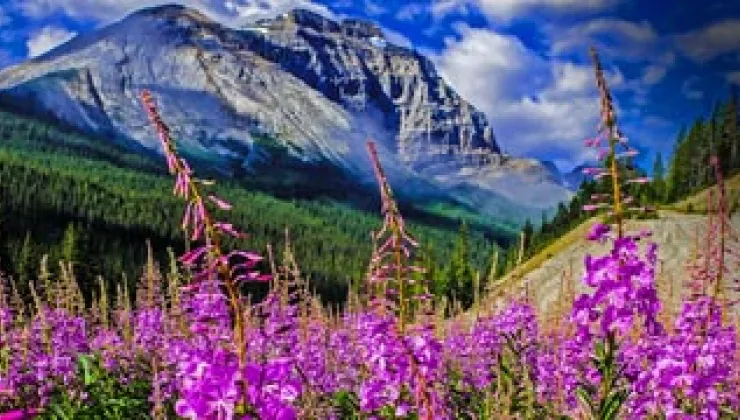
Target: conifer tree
[[658, 178], [69, 244], [730, 133], [23, 262], [460, 273]]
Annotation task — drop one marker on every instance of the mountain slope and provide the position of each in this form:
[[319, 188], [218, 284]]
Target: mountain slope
[[698, 202], [51, 179], [318, 87], [547, 275]]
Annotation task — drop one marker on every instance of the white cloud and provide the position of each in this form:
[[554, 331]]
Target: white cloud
[[4, 18], [105, 10], [255, 9], [634, 42], [537, 106], [689, 90], [375, 9], [711, 41], [395, 37], [733, 77], [410, 11], [630, 40], [655, 73], [232, 12], [46, 39], [444, 7], [505, 10]]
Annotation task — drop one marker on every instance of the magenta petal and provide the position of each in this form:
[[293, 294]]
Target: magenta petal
[[223, 205], [19, 414]]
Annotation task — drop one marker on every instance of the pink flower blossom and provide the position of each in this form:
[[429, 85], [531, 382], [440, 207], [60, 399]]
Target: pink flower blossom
[[223, 205], [19, 414], [598, 232], [641, 180]]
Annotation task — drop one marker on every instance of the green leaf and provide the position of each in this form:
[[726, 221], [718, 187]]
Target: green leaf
[[585, 399], [613, 406], [85, 365]]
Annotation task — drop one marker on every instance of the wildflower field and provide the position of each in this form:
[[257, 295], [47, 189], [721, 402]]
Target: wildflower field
[[188, 343]]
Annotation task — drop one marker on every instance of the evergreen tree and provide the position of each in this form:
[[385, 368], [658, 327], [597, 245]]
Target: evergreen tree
[[528, 233], [730, 133], [494, 270], [676, 179], [69, 244], [23, 261], [459, 272], [658, 184], [430, 275]]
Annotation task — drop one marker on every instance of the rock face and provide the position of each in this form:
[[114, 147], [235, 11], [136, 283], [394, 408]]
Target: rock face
[[318, 86]]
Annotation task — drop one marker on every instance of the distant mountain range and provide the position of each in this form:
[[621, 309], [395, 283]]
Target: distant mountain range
[[299, 89]]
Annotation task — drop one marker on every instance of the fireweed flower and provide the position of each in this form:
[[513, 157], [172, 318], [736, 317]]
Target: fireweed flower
[[19, 414], [598, 232], [624, 290], [391, 264], [208, 384], [561, 364], [209, 308], [687, 374]]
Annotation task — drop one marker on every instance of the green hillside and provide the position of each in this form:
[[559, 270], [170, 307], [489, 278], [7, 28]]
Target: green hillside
[[59, 188]]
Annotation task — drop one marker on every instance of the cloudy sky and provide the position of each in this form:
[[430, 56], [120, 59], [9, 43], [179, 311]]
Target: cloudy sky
[[523, 62]]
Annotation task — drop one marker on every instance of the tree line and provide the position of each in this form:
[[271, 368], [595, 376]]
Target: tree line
[[688, 172], [82, 199]]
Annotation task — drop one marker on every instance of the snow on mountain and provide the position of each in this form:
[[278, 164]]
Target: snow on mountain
[[319, 87]]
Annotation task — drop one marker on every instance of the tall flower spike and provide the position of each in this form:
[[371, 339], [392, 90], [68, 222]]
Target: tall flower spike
[[391, 262], [215, 267], [612, 153], [725, 236], [609, 129]]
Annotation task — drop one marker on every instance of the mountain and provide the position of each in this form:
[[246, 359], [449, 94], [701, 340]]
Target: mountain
[[573, 179], [301, 86], [65, 194]]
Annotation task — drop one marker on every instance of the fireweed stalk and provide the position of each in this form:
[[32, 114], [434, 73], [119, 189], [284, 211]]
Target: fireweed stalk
[[391, 264], [691, 373], [724, 254], [612, 153], [391, 268], [624, 283], [210, 258]]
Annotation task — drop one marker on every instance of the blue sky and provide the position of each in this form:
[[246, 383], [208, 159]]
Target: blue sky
[[523, 62]]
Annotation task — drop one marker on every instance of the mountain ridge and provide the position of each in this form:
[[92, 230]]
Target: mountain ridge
[[317, 86]]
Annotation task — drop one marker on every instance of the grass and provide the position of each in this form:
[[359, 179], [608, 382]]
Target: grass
[[536, 261], [697, 203]]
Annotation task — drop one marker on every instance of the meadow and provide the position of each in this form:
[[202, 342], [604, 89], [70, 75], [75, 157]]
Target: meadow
[[189, 343]]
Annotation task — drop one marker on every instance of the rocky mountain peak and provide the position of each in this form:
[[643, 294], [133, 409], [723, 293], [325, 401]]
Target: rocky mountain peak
[[317, 87], [352, 64], [361, 29], [170, 11], [308, 19]]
